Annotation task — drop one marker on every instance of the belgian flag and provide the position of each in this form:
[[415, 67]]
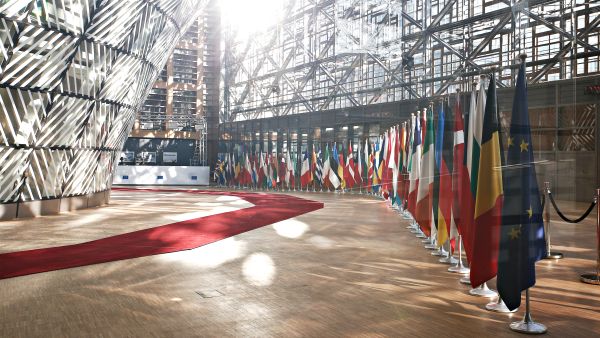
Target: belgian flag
[[488, 200]]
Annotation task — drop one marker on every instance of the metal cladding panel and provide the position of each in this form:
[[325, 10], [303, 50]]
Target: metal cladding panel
[[72, 75]]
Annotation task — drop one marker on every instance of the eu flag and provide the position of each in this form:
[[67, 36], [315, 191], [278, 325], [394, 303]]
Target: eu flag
[[522, 241]]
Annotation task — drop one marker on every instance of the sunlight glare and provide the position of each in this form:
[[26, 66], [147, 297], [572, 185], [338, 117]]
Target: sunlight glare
[[197, 214], [259, 269], [321, 242], [290, 228], [210, 255], [87, 219], [247, 17]]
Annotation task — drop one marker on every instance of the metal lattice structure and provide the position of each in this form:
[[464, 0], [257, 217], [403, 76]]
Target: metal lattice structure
[[337, 54], [200, 150], [73, 74]]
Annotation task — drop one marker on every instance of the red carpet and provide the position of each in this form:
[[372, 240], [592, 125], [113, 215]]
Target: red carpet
[[185, 235]]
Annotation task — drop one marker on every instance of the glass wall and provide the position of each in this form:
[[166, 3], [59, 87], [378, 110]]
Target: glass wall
[[563, 125]]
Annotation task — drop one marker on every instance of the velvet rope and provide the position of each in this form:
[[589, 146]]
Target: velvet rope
[[587, 212]]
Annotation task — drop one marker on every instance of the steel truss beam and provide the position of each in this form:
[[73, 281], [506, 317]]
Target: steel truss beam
[[564, 51], [328, 71], [475, 52]]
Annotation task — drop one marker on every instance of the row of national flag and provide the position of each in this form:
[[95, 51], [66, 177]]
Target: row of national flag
[[337, 167], [461, 183], [256, 170], [451, 176]]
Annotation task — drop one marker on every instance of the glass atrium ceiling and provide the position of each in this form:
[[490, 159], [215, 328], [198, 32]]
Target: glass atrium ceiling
[[289, 57]]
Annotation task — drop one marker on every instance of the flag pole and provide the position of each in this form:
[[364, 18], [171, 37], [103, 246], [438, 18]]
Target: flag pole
[[459, 267], [448, 258], [406, 213], [414, 227], [430, 242], [465, 280], [592, 278], [549, 253], [499, 306], [527, 325], [417, 229], [431, 245]]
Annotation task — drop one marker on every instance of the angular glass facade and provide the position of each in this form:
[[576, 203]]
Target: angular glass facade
[[73, 74]]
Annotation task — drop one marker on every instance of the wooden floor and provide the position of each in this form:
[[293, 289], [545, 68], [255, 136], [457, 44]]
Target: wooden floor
[[350, 269]]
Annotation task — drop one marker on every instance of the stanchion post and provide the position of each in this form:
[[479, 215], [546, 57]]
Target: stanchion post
[[549, 253], [594, 278]]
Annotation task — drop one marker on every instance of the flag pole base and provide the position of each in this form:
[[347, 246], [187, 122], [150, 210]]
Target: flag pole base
[[430, 246], [528, 327], [439, 253], [465, 280], [483, 291], [427, 241], [590, 278], [448, 260], [421, 235], [459, 268], [554, 255], [499, 306]]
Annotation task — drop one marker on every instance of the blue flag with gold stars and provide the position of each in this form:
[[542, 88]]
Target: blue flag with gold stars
[[522, 241]]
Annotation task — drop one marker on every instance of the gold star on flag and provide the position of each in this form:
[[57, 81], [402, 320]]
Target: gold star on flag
[[524, 145], [515, 232], [511, 141], [530, 212]]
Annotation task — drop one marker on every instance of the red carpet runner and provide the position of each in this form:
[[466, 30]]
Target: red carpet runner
[[185, 235]]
